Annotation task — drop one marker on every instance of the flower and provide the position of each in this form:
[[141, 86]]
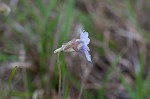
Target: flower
[[78, 45], [4, 9], [85, 41]]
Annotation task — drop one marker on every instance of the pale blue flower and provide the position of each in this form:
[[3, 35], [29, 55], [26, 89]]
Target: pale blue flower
[[78, 45], [85, 41]]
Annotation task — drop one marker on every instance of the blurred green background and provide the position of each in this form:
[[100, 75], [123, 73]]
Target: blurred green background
[[120, 40]]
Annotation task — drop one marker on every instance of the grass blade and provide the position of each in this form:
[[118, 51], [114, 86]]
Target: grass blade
[[11, 76]]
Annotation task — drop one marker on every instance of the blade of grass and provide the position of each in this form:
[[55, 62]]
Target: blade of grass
[[45, 35], [19, 94], [64, 35], [11, 77], [139, 78], [41, 7], [66, 91], [128, 88], [66, 25]]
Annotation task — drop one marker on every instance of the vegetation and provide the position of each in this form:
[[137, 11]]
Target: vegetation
[[30, 31]]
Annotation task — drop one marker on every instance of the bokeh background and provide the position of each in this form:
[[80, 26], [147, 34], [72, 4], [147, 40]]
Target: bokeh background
[[120, 41]]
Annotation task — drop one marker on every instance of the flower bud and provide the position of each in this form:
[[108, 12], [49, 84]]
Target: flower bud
[[71, 46], [4, 9]]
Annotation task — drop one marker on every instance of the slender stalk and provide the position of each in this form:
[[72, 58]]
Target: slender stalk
[[59, 71]]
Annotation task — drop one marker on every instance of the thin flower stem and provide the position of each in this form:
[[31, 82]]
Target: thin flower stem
[[59, 71]]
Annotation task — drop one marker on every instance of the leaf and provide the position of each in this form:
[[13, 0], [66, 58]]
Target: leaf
[[11, 76]]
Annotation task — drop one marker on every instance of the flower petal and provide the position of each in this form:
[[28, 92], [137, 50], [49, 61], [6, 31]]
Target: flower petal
[[88, 56], [86, 41], [84, 34], [87, 48], [84, 37]]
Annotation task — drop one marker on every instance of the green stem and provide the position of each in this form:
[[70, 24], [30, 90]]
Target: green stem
[[59, 71]]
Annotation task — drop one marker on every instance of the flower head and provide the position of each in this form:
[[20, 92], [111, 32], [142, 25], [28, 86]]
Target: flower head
[[85, 41], [78, 45]]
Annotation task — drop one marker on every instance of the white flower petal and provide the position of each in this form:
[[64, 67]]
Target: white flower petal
[[88, 56], [86, 41], [84, 33], [84, 37]]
